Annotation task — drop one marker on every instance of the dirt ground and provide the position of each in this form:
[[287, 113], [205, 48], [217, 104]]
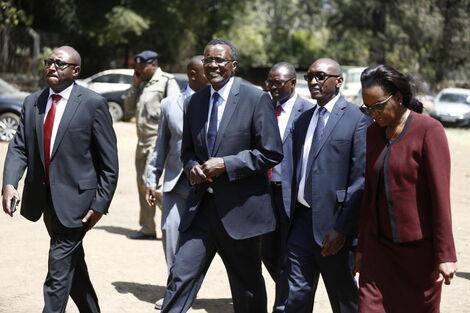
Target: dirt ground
[[129, 276]]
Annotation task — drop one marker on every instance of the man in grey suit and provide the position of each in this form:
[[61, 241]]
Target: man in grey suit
[[167, 157], [66, 140], [329, 144], [288, 106], [230, 140]]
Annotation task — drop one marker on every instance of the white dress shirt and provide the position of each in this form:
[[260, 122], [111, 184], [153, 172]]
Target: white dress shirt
[[308, 143], [223, 96], [59, 111], [282, 121]]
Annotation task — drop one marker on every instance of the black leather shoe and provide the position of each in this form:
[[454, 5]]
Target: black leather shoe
[[141, 235]]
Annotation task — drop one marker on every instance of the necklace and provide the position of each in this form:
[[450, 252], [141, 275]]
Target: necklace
[[398, 127]]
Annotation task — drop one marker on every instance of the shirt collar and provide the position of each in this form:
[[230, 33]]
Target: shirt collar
[[188, 91], [224, 91], [329, 106], [65, 94], [288, 104]]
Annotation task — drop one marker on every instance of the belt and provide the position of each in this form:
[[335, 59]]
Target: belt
[[276, 183]]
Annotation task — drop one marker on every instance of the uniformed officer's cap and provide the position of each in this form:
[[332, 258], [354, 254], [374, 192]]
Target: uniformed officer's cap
[[146, 56]]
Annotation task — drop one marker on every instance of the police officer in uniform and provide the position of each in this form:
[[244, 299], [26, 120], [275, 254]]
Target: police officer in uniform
[[150, 86]]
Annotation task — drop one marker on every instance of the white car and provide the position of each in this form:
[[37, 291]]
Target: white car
[[452, 106], [109, 80]]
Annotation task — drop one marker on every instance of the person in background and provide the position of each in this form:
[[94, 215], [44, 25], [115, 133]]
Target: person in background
[[406, 248], [329, 159], [66, 141], [288, 107], [166, 157], [230, 140], [150, 85]]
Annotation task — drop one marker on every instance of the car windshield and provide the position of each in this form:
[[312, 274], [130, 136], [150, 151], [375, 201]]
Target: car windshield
[[455, 98], [7, 88]]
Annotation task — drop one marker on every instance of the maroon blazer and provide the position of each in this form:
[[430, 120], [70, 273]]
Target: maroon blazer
[[416, 176]]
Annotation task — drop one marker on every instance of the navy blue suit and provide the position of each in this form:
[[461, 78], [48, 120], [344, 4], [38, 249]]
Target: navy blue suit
[[274, 243], [337, 187], [230, 220]]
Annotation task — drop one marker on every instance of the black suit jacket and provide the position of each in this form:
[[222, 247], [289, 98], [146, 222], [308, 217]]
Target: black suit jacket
[[249, 142], [83, 168]]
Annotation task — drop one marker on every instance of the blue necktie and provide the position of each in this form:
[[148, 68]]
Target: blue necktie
[[313, 152], [212, 129]]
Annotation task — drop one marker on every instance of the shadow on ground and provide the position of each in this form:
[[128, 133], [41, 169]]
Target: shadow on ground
[[118, 230], [463, 275], [151, 293]]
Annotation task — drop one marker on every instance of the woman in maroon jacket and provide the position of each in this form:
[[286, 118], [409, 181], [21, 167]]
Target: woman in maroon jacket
[[406, 248]]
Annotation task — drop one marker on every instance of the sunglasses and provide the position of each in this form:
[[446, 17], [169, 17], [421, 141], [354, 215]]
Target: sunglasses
[[58, 63], [319, 76], [378, 107], [277, 83]]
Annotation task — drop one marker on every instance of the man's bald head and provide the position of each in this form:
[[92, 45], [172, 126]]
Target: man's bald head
[[74, 55], [285, 68], [332, 65], [195, 71], [324, 80], [281, 82]]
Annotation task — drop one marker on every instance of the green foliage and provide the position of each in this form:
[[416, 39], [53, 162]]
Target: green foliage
[[11, 16]]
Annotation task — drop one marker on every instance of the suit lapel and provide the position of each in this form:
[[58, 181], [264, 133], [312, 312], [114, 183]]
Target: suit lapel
[[296, 111], [230, 107], [41, 110], [335, 116], [72, 105], [302, 125], [203, 116]]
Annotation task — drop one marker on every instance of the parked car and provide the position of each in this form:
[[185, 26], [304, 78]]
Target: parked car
[[109, 80], [351, 87], [452, 107], [11, 103], [116, 99]]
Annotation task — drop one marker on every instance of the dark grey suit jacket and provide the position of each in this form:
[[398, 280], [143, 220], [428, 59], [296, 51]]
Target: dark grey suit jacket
[[338, 169], [83, 168], [301, 105], [248, 140]]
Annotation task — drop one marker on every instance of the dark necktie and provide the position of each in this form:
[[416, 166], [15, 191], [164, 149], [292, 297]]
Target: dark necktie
[[278, 113], [311, 155], [48, 125], [212, 129]]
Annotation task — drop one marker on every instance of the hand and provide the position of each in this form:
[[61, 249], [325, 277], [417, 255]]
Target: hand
[[196, 175], [332, 243], [213, 168], [9, 192], [447, 271], [152, 197], [357, 262], [92, 217]]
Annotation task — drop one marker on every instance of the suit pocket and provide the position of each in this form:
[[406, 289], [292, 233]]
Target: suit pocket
[[87, 184]]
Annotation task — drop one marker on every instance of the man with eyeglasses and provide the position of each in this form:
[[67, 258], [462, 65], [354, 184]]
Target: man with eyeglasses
[[288, 106], [66, 141], [150, 85], [230, 140], [329, 159]]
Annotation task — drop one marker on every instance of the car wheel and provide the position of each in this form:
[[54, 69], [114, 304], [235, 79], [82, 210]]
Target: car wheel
[[116, 111], [8, 124]]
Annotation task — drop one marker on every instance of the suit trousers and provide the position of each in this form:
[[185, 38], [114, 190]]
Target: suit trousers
[[67, 271], [173, 205], [274, 246], [305, 264], [147, 213], [197, 247]]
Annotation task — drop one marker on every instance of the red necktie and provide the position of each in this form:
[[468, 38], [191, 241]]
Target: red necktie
[[48, 125], [278, 113]]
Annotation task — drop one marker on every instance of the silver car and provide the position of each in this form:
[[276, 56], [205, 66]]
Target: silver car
[[452, 107]]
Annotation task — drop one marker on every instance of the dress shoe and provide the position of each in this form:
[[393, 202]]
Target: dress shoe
[[159, 304], [141, 235]]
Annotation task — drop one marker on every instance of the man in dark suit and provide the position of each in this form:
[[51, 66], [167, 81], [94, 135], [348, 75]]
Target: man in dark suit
[[329, 159], [67, 142], [230, 140], [288, 107]]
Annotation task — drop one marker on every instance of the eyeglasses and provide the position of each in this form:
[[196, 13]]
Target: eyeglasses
[[58, 63], [319, 76], [377, 107], [141, 60], [218, 61], [277, 83]]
